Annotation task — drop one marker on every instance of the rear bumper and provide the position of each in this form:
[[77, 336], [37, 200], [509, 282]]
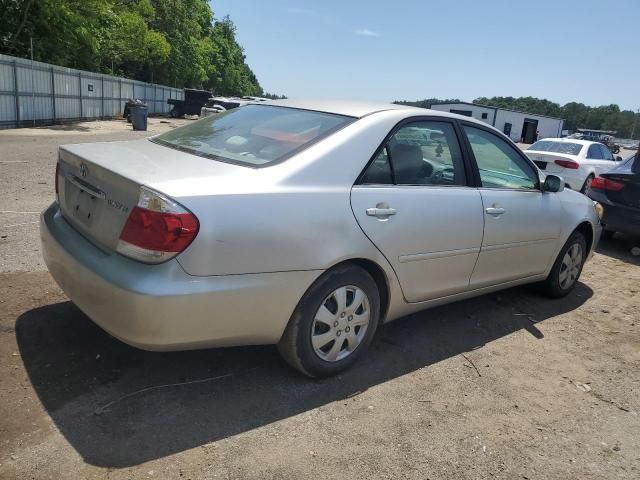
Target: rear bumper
[[618, 218], [621, 219], [161, 307]]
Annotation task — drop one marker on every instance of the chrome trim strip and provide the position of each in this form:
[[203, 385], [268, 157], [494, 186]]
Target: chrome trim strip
[[416, 257]]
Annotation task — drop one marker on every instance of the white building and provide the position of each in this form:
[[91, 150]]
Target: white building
[[519, 126]]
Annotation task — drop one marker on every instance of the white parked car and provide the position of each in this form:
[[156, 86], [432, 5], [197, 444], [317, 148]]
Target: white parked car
[[576, 161], [306, 225]]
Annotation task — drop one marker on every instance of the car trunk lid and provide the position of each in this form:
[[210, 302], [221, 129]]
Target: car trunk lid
[[545, 161], [99, 183], [627, 191]]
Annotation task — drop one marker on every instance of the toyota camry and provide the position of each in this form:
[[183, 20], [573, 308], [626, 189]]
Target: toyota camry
[[306, 225]]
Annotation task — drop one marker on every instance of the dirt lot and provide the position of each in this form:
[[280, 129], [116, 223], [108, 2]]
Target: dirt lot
[[506, 386]]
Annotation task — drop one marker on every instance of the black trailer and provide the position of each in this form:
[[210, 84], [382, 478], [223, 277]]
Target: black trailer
[[192, 103]]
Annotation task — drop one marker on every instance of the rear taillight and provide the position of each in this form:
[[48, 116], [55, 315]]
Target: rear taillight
[[601, 183], [157, 229], [56, 180], [567, 164]]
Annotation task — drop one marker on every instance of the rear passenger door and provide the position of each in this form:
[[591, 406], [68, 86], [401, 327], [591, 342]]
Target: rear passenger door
[[414, 203], [522, 224], [596, 158]]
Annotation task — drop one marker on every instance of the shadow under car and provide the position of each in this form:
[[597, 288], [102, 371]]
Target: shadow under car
[[119, 406]]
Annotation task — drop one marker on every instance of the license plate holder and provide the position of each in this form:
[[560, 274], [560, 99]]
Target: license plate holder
[[84, 208]]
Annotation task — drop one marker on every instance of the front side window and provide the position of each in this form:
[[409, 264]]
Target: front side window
[[253, 135], [499, 164]]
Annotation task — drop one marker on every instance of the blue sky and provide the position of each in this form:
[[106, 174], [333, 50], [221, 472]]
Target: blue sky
[[563, 50]]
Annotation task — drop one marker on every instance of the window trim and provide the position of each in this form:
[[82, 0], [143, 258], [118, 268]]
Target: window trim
[[514, 147], [466, 164]]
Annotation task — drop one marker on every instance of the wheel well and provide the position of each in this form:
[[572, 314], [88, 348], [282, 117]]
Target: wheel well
[[586, 229], [373, 269]]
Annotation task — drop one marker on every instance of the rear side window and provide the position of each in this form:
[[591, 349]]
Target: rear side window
[[606, 153], [419, 153], [253, 135], [569, 148], [594, 152], [499, 164], [379, 171]]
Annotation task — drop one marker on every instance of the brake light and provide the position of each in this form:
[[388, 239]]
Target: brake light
[[157, 229], [601, 183], [567, 164], [56, 180]]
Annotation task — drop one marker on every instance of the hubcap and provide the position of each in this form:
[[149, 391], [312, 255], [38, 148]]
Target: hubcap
[[571, 264], [340, 323]]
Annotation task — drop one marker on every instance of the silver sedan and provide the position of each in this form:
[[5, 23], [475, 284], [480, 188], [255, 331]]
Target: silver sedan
[[306, 225]]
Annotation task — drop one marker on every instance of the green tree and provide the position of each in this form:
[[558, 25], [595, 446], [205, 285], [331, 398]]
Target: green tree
[[175, 42]]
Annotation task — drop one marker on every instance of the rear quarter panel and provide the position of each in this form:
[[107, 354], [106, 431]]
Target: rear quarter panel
[[295, 215]]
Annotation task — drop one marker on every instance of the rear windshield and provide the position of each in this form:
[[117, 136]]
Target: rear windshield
[[253, 135], [569, 148]]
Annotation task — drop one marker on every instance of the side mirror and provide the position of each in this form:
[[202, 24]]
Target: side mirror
[[618, 158], [553, 183]]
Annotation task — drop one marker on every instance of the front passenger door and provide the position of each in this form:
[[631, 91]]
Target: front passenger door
[[521, 223]]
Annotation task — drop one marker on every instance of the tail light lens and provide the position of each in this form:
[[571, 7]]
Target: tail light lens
[[601, 183], [567, 164], [157, 229]]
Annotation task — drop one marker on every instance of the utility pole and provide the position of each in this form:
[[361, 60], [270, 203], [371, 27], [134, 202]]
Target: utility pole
[[637, 160]]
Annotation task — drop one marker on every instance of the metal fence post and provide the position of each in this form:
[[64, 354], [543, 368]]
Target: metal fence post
[[15, 92], [102, 99], [80, 91], [53, 95]]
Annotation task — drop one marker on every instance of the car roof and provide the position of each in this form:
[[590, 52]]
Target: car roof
[[360, 109], [340, 107]]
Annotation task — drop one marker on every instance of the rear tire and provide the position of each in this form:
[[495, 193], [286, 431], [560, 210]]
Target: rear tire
[[567, 268], [333, 324]]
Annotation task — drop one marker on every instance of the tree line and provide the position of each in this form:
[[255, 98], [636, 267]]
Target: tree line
[[176, 43], [576, 115]]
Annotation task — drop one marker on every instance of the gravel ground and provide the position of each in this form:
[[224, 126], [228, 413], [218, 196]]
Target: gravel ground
[[27, 164], [508, 385]]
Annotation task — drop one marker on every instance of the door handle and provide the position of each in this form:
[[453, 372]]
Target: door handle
[[495, 210], [381, 212]]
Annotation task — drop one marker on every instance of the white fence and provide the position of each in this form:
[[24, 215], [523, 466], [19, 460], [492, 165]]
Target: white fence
[[36, 93]]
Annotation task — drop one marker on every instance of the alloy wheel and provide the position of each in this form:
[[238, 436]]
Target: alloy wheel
[[340, 324], [571, 264]]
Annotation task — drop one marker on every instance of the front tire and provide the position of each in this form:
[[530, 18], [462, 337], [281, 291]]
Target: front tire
[[333, 324], [567, 268]]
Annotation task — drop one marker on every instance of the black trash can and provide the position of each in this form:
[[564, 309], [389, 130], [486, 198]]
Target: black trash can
[[138, 116]]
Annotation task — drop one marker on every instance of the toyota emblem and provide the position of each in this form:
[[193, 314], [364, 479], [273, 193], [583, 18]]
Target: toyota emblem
[[84, 170]]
